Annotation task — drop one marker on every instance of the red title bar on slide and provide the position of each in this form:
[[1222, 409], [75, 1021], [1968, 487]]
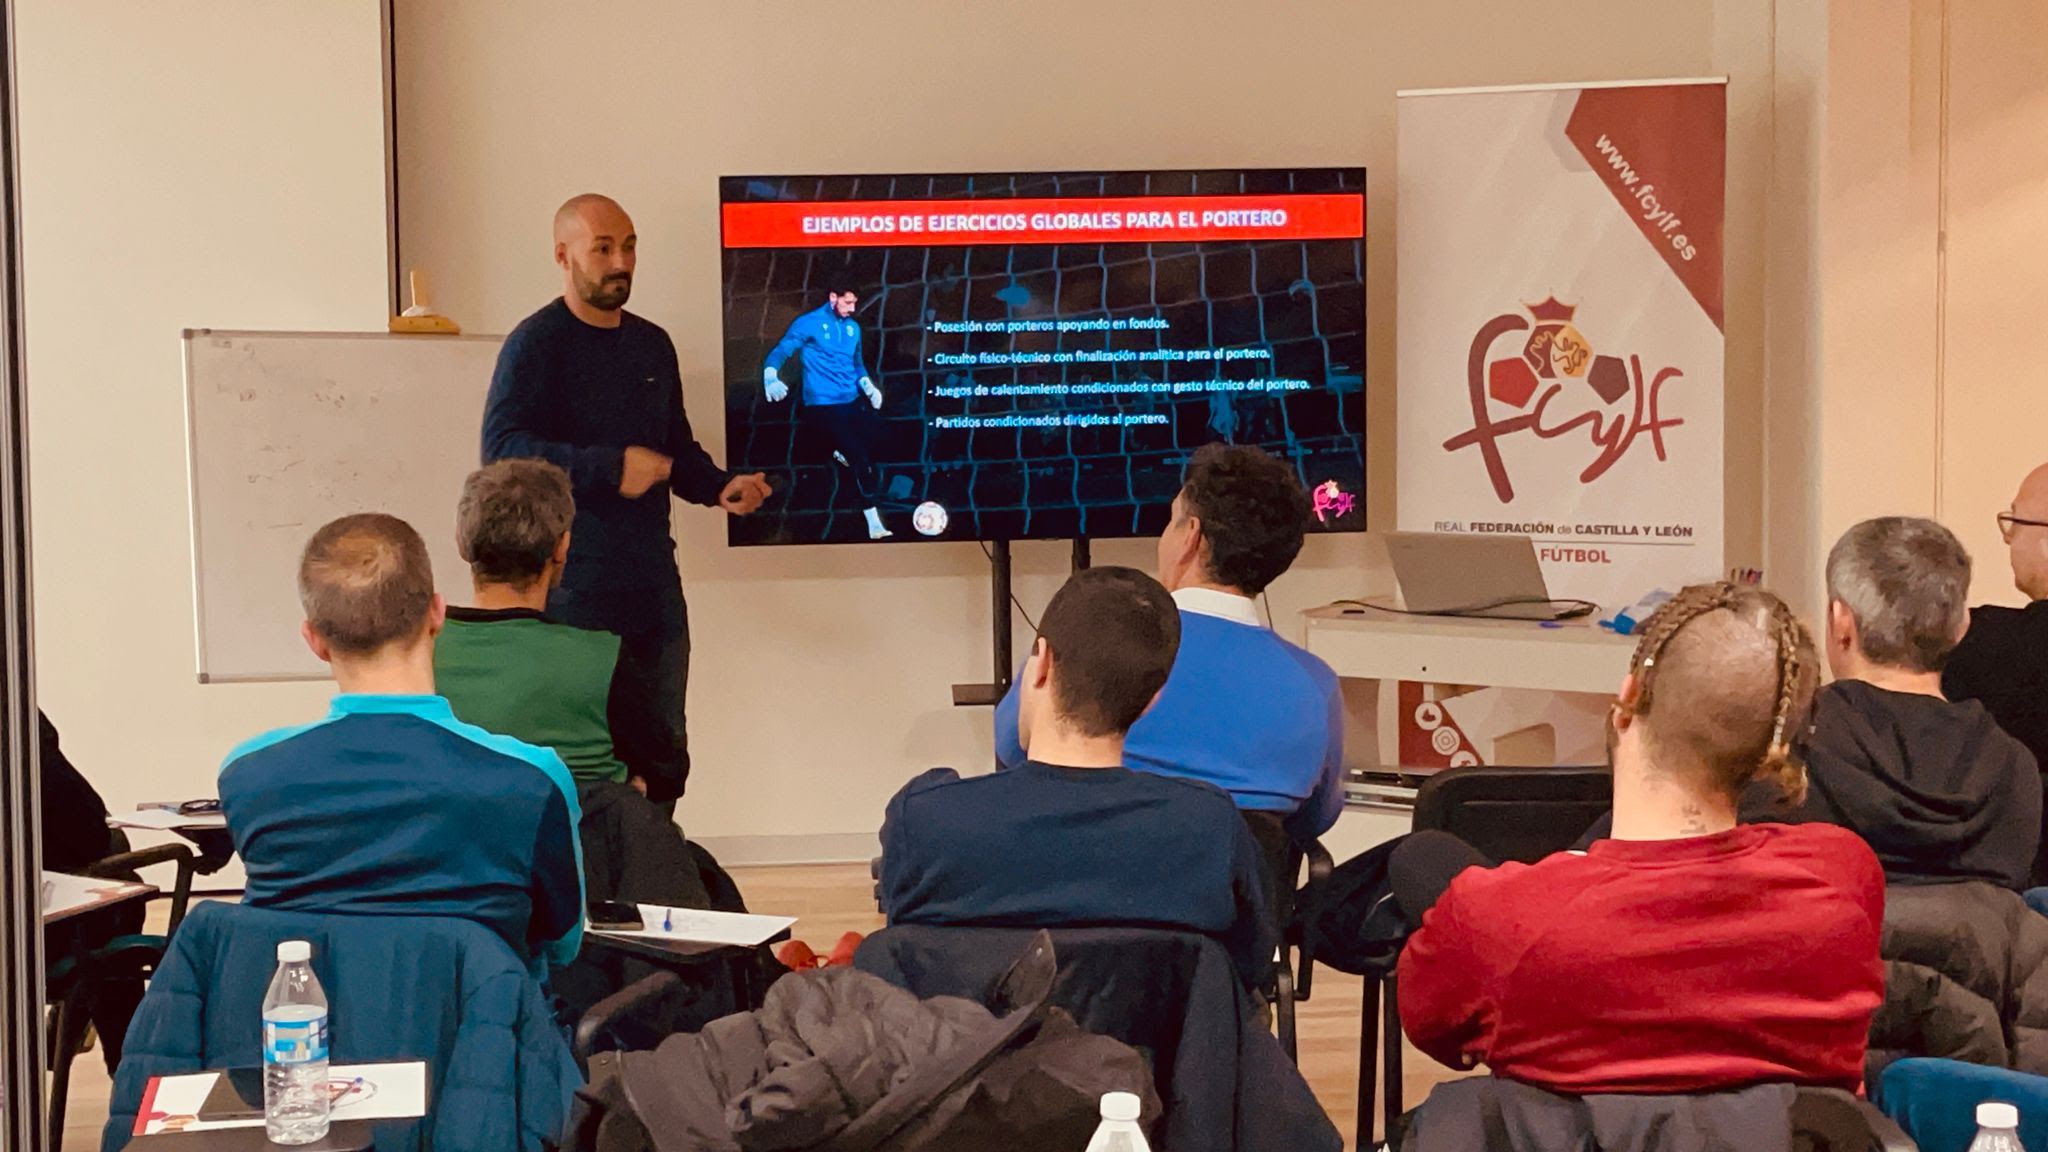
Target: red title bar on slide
[[1062, 220]]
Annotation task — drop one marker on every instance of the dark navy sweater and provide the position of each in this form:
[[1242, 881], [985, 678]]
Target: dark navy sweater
[[391, 806], [578, 396], [1047, 847]]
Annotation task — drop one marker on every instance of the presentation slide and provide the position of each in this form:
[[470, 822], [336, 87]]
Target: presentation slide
[[1037, 356]]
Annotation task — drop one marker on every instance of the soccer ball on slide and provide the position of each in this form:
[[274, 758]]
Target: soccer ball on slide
[[929, 519]]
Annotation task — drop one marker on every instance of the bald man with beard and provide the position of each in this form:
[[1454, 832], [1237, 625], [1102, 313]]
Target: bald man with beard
[[597, 391]]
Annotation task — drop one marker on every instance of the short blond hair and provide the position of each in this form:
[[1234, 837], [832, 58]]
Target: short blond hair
[[365, 582]]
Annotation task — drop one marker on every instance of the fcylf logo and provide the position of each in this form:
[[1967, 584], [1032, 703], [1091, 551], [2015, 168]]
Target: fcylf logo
[[1557, 366], [1333, 502]]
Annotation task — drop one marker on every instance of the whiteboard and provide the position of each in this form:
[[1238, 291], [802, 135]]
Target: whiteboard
[[289, 430]]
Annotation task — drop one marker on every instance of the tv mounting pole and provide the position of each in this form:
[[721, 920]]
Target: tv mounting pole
[[991, 693], [1005, 663]]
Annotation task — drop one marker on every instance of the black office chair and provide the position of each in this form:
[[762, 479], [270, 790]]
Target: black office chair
[[1293, 900], [73, 981], [1521, 814], [610, 1024], [1820, 1119]]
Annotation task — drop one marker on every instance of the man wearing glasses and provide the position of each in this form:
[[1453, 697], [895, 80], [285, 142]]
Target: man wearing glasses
[[2003, 659]]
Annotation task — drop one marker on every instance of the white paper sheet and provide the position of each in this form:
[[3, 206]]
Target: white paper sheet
[[63, 892], [164, 820], [699, 926], [387, 1092]]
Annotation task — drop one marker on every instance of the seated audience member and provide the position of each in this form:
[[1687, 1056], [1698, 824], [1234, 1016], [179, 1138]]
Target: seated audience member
[[503, 664], [1072, 837], [1686, 954], [2003, 660], [505, 667], [1243, 709], [76, 836], [1935, 787], [390, 804], [75, 832]]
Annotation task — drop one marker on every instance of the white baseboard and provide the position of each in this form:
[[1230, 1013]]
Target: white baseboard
[[823, 848]]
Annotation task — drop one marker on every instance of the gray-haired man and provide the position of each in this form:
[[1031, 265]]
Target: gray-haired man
[[1935, 786]]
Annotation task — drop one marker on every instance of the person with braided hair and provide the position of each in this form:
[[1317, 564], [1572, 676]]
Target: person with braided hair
[[1686, 953]]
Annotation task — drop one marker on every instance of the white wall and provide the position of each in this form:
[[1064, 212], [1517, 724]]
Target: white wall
[[185, 163], [820, 676], [1909, 212]]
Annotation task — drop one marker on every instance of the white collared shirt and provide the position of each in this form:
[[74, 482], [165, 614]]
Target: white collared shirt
[[1222, 605]]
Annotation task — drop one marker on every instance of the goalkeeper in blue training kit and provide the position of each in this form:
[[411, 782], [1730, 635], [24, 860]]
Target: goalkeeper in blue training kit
[[835, 382]]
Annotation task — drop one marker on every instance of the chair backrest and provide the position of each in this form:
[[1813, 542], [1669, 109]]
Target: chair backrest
[[1164, 993], [435, 989], [1521, 814], [1462, 1114], [1282, 858]]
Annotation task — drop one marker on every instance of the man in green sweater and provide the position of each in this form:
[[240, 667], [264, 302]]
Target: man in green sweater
[[506, 667], [502, 664]]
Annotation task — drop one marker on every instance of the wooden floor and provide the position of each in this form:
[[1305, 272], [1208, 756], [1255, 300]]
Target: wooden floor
[[828, 900]]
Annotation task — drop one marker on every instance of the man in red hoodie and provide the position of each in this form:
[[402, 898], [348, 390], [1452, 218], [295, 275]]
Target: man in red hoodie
[[1686, 953]]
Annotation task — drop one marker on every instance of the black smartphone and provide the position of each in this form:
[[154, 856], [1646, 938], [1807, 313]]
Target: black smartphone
[[237, 1095], [615, 916]]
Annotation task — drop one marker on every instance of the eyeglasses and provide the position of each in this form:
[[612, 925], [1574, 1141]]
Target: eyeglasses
[[2009, 523]]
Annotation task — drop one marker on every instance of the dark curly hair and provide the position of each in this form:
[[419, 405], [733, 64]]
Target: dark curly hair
[[1254, 513]]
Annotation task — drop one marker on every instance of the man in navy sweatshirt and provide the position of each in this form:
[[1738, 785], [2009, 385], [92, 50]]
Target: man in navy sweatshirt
[[597, 392], [1071, 838], [1244, 710], [839, 395]]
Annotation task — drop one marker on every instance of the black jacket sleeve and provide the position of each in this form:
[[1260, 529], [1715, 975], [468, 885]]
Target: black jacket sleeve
[[521, 422]]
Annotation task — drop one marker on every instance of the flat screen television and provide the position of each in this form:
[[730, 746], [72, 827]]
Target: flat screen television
[[1016, 356]]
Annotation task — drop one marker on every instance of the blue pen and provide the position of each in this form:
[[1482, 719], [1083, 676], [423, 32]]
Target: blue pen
[[668, 923]]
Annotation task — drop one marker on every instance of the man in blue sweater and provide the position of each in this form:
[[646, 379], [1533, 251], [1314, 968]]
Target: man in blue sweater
[[1244, 710], [1071, 838], [839, 395], [597, 392], [391, 806]]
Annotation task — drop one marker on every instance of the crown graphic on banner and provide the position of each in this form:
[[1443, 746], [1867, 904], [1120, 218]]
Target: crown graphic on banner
[[1552, 310]]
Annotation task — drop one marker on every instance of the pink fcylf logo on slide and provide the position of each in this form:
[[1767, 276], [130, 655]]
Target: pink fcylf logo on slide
[[1332, 501]]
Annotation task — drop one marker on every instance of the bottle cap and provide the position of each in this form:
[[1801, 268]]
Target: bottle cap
[[1992, 1114], [1124, 1106], [298, 952]]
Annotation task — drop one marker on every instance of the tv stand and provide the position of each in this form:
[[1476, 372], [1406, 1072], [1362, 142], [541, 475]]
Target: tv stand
[[990, 694]]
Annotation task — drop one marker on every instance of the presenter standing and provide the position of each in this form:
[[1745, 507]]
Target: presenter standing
[[597, 391]]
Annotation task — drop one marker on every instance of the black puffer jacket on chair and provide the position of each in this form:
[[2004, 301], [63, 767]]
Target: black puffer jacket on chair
[[1966, 977]]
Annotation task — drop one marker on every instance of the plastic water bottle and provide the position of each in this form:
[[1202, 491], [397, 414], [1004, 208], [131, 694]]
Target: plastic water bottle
[[1998, 1128], [1119, 1131], [295, 1099]]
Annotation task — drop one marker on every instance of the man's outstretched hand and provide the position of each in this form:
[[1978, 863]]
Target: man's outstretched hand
[[744, 494], [644, 468]]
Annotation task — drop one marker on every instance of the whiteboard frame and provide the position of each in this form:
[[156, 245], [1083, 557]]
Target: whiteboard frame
[[185, 339]]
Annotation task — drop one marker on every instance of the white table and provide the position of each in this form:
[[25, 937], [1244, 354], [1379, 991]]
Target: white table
[[1367, 644], [1364, 644]]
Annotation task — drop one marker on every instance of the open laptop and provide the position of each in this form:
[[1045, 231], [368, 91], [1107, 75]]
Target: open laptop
[[1453, 574]]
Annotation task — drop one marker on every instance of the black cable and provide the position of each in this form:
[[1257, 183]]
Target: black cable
[[1573, 609], [1018, 604], [1267, 606]]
